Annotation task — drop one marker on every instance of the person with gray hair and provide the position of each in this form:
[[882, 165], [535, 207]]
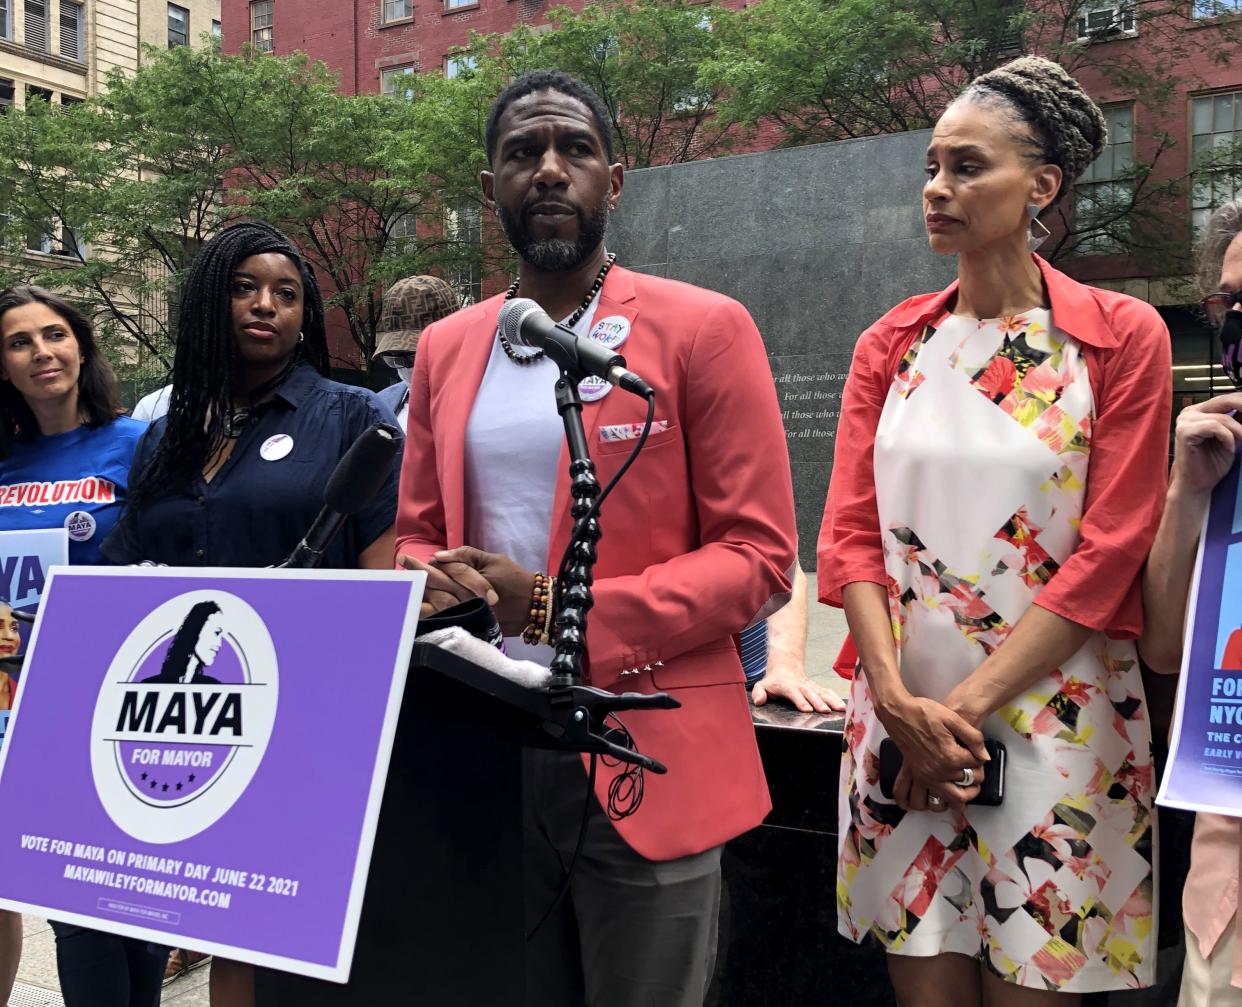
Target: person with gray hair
[[1205, 448], [998, 479]]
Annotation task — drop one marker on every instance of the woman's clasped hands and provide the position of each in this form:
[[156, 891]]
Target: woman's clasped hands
[[937, 744]]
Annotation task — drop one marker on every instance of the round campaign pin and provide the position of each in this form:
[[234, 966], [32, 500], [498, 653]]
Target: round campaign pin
[[593, 389], [612, 331], [276, 447], [80, 525]]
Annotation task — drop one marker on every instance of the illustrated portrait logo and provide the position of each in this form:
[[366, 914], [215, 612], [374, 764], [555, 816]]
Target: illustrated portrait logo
[[184, 716], [81, 526]]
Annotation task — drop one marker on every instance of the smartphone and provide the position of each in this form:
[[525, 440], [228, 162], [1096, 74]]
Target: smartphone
[[991, 794]]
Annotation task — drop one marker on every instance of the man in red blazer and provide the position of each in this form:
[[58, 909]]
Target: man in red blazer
[[699, 542]]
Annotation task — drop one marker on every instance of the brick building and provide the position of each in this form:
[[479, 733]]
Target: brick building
[[373, 43]]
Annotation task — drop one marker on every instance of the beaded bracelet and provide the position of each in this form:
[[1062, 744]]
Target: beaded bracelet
[[537, 630], [549, 621]]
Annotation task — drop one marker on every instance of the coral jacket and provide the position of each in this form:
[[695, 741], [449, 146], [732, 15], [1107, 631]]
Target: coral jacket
[[698, 537], [1127, 349]]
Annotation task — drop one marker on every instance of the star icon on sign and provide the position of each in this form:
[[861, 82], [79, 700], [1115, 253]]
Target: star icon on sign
[[144, 776], [152, 784], [191, 777], [178, 786], [165, 786]]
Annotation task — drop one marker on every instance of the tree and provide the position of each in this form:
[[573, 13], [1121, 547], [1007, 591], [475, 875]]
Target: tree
[[643, 58], [832, 70], [141, 176]]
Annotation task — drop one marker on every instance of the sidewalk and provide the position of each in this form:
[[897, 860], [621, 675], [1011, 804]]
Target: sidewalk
[[36, 978]]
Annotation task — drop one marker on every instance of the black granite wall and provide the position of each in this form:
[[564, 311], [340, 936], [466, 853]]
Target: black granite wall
[[816, 241]]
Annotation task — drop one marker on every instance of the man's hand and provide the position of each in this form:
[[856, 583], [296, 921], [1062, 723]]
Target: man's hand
[[805, 694], [508, 583], [443, 591]]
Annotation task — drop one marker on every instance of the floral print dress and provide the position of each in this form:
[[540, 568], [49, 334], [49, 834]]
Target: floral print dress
[[981, 461]]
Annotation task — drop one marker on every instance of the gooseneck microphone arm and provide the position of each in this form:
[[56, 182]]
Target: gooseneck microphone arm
[[358, 476], [575, 590]]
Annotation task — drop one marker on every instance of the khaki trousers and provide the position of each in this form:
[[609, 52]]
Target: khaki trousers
[[1206, 981]]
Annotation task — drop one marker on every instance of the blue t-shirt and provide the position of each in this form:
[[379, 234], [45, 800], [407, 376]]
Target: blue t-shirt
[[76, 480]]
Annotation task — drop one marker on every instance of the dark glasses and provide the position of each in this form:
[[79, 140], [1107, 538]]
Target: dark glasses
[[398, 358], [1216, 305]]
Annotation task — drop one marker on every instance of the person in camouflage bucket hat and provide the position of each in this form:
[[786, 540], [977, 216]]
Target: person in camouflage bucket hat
[[410, 305]]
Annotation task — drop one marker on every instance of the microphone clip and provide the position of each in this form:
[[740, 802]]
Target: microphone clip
[[581, 728]]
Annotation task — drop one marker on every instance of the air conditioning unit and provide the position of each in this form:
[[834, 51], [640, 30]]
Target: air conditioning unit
[[1104, 22]]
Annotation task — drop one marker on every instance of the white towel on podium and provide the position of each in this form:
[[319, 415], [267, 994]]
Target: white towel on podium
[[457, 641]]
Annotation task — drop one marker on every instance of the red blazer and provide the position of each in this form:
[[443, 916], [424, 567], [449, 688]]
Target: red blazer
[[699, 536], [1127, 349]]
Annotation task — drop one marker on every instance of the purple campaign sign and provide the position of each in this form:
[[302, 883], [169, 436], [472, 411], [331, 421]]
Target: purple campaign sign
[[197, 757], [1205, 763]]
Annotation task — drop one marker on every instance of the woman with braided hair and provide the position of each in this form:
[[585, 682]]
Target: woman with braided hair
[[234, 474], [999, 475]]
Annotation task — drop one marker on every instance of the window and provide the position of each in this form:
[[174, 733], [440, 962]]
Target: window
[[215, 30], [178, 26], [462, 226], [1100, 21], [6, 94], [456, 66], [455, 4], [36, 24], [1216, 8], [398, 10], [6, 18], [261, 25], [52, 240], [1106, 188], [398, 82], [39, 240], [70, 29], [69, 101], [403, 232], [37, 94], [1216, 130]]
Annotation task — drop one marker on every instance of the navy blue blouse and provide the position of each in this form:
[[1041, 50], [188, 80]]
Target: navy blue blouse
[[260, 503]]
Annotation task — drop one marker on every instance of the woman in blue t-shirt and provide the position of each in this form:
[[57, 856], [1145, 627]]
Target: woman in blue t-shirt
[[65, 454]]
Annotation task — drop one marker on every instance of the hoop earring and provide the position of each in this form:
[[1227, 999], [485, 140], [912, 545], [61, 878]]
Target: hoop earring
[[1036, 237], [301, 337]]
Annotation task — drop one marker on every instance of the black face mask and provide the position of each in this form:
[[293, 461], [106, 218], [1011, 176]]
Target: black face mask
[[1231, 346]]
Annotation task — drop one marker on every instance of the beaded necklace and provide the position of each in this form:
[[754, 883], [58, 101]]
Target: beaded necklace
[[524, 359]]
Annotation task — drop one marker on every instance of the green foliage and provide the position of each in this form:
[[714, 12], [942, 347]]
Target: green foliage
[[831, 69], [122, 190], [140, 177], [644, 58]]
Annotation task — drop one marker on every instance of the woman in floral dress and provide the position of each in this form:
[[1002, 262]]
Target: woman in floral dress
[[999, 475]]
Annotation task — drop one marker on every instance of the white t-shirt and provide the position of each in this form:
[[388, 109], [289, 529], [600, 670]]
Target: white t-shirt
[[513, 453], [151, 407]]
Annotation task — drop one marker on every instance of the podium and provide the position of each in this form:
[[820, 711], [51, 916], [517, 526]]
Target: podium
[[442, 918]]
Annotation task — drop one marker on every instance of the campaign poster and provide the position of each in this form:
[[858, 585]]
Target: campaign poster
[[197, 757], [1204, 772], [26, 558]]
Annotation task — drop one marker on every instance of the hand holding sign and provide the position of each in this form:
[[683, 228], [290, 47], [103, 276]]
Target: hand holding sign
[[1208, 437]]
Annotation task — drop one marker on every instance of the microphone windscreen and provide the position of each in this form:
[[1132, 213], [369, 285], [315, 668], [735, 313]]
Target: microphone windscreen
[[363, 469], [512, 314]]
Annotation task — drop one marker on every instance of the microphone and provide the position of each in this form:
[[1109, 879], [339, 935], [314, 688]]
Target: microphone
[[354, 482], [524, 323]]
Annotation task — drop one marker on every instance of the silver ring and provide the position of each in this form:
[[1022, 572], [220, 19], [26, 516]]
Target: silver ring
[[967, 779], [934, 802]]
